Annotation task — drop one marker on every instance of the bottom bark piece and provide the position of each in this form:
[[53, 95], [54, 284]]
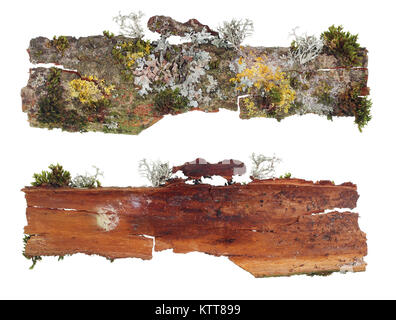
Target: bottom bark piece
[[273, 227]]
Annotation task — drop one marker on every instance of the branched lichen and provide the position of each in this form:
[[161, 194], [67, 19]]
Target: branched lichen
[[305, 48], [156, 172], [236, 31], [87, 180], [130, 24], [263, 167]]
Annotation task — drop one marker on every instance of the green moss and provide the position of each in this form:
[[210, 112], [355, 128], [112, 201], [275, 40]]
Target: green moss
[[274, 95], [170, 101], [34, 259], [55, 178], [352, 103], [342, 45], [51, 108], [286, 176], [108, 34], [322, 92], [214, 64], [362, 112], [61, 44]]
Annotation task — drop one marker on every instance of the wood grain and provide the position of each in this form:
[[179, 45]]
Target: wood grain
[[267, 227]]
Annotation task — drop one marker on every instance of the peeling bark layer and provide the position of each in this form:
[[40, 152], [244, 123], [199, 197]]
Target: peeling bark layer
[[268, 227]]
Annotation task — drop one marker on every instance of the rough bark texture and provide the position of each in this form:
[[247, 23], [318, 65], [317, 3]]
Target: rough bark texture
[[268, 227], [200, 168], [196, 74]]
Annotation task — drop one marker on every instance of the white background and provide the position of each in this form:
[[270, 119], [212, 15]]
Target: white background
[[311, 147]]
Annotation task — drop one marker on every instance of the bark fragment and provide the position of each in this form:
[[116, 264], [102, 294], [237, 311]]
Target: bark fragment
[[267, 227]]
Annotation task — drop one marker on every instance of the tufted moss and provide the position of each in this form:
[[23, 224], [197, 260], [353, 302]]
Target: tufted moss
[[51, 108], [170, 101], [362, 112], [34, 259], [61, 43], [57, 177], [342, 45]]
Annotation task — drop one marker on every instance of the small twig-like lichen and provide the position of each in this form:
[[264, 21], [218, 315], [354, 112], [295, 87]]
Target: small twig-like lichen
[[304, 48], [156, 172], [87, 180], [130, 24], [263, 167], [236, 31]]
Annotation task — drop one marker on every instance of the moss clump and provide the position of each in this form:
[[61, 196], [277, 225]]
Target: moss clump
[[61, 44], [170, 101], [56, 178], [342, 45], [34, 259], [353, 104], [51, 107], [362, 113], [286, 176], [214, 64], [108, 34], [323, 93]]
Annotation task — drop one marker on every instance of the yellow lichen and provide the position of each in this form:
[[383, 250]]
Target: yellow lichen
[[89, 89], [260, 80], [251, 108]]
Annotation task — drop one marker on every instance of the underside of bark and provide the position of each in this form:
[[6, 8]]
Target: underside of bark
[[272, 227]]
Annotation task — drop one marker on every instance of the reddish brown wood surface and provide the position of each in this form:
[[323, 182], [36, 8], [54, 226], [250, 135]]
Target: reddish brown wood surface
[[269, 227], [201, 168]]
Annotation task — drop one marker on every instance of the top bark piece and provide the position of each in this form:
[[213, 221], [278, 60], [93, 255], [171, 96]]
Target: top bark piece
[[118, 84], [167, 26]]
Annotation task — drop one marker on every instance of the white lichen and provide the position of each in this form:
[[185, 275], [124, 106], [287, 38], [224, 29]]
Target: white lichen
[[107, 221], [87, 180], [236, 31], [156, 172], [305, 47], [263, 167], [197, 38], [130, 24]]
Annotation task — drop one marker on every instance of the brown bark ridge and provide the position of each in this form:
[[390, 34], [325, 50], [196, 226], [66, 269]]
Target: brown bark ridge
[[274, 227], [201, 168]]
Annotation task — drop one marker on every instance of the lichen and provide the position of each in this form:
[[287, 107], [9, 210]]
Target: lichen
[[269, 90], [89, 89]]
